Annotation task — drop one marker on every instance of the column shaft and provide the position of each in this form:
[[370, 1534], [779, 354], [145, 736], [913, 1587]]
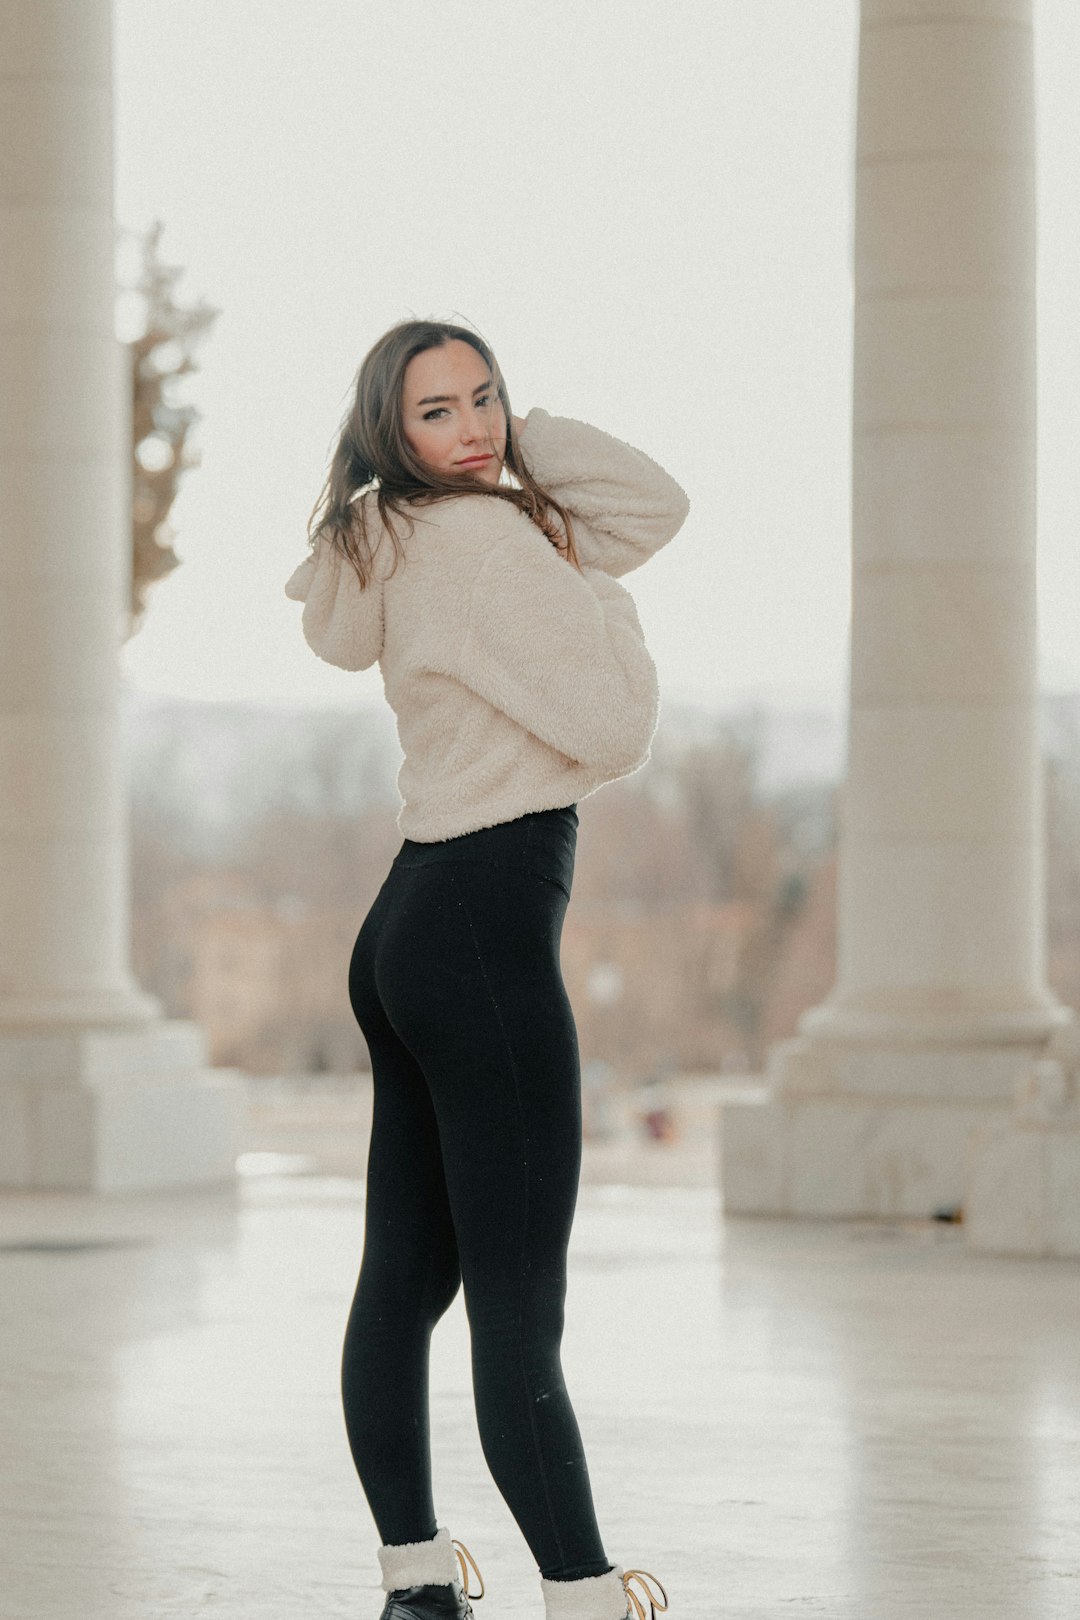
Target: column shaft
[[941, 876], [65, 532]]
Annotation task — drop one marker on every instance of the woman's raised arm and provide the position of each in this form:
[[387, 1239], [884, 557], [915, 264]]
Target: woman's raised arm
[[623, 503]]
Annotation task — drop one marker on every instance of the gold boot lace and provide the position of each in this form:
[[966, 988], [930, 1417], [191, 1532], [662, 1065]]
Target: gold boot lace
[[462, 1553], [643, 1576]]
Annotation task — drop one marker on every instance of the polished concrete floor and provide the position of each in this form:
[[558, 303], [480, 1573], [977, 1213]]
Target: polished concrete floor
[[854, 1421]]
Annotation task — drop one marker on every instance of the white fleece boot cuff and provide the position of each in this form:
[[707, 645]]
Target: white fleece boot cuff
[[593, 1597], [419, 1563]]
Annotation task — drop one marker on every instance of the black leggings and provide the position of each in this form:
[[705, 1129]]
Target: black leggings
[[472, 1177]]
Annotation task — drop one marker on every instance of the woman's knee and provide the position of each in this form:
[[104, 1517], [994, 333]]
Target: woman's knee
[[399, 1290], [441, 1290]]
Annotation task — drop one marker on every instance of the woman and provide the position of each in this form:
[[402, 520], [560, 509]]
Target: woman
[[517, 670]]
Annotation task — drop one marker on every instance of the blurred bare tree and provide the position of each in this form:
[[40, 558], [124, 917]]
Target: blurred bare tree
[[161, 348]]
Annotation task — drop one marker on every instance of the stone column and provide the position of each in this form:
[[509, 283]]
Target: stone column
[[940, 1006], [96, 1089]]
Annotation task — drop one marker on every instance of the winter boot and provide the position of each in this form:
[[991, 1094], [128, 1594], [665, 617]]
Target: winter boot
[[601, 1597], [420, 1579]]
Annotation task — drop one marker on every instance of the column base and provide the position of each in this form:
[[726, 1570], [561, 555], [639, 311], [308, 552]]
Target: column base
[[111, 1110], [1023, 1192], [853, 1130], [920, 1018]]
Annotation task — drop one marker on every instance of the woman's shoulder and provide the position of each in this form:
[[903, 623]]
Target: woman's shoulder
[[473, 521]]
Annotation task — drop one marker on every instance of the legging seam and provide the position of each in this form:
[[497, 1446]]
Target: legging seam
[[525, 1223]]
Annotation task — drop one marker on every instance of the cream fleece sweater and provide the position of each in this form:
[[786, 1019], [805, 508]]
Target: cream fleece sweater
[[518, 684]]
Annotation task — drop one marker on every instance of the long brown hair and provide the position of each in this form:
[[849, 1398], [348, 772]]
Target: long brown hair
[[372, 447]]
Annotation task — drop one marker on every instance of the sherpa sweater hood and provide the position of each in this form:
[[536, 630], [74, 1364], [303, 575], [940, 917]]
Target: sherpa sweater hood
[[518, 684]]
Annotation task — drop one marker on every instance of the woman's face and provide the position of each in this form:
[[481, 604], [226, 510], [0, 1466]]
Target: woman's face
[[451, 412]]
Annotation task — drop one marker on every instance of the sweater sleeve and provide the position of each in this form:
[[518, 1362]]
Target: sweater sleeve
[[561, 653], [623, 504], [341, 623]]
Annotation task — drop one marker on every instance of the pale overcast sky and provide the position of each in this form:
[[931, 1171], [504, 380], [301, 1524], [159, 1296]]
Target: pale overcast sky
[[650, 223]]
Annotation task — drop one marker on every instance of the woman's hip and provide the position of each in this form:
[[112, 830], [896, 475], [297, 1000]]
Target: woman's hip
[[541, 842]]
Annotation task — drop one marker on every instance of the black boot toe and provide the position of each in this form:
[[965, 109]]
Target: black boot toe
[[441, 1601]]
